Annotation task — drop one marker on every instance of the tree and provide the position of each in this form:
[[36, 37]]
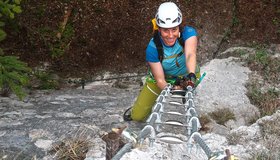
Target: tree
[[13, 72]]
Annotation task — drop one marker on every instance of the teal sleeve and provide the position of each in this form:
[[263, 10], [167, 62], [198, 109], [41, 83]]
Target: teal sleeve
[[188, 32], [151, 52]]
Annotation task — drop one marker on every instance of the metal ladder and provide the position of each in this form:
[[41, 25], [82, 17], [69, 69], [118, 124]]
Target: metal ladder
[[176, 108], [173, 108]]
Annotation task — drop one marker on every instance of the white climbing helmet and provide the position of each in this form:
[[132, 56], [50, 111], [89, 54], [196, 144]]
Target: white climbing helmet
[[168, 15]]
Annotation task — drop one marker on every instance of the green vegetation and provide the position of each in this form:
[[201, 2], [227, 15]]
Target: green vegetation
[[241, 52], [40, 11], [267, 102], [234, 20], [13, 71], [264, 64], [261, 57], [263, 93], [46, 80], [59, 47], [13, 75], [56, 40], [268, 67], [8, 9], [221, 116]]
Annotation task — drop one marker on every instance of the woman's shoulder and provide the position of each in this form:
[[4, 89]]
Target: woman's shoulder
[[151, 44], [151, 52], [189, 29], [188, 32]]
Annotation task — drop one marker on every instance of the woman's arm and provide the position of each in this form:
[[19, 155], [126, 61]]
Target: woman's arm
[[190, 53], [158, 74]]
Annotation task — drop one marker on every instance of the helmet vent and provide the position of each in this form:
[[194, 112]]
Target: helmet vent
[[160, 21], [176, 20]]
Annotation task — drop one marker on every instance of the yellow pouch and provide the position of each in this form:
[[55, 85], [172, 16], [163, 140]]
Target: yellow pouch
[[155, 27]]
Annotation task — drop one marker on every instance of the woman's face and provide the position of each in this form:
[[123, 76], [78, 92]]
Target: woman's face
[[169, 35]]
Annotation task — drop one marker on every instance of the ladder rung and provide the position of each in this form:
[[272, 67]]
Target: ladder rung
[[174, 113], [170, 139], [174, 123], [177, 96], [175, 103]]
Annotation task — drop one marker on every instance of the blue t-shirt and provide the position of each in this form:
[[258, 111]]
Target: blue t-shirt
[[169, 64]]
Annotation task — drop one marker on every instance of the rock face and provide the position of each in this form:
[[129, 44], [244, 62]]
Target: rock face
[[224, 87], [31, 128]]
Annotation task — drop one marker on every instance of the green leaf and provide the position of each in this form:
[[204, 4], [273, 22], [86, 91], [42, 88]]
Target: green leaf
[[2, 35], [13, 74], [2, 24], [17, 9], [12, 15], [1, 52], [17, 1], [5, 10], [17, 89], [7, 1]]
